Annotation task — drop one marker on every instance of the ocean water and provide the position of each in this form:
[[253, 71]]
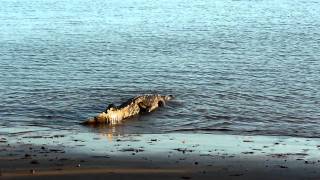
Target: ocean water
[[234, 66]]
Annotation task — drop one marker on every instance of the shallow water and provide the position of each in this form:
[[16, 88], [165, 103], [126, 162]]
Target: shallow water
[[158, 145], [243, 67]]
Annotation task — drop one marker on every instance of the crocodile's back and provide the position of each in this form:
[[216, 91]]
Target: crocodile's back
[[146, 99]]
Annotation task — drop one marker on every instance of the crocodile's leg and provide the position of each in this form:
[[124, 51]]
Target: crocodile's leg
[[143, 107], [153, 107], [160, 103]]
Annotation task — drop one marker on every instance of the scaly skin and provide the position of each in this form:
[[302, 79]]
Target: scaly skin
[[132, 107]]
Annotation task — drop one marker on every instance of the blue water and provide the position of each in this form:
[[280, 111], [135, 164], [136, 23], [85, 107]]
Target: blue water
[[237, 66]]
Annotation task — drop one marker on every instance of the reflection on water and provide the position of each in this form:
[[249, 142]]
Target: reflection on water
[[106, 131], [109, 132]]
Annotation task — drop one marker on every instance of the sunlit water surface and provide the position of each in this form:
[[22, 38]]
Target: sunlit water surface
[[241, 66]]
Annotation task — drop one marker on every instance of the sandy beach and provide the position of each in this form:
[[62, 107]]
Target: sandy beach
[[157, 156]]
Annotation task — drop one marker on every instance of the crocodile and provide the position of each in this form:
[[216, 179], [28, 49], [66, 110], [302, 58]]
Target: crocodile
[[132, 107]]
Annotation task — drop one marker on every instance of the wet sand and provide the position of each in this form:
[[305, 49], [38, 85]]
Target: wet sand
[[34, 155]]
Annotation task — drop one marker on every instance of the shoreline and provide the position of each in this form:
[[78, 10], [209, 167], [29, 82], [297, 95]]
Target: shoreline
[[158, 156]]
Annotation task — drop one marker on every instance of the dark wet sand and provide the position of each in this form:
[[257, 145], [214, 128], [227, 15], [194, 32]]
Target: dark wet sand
[[153, 156]]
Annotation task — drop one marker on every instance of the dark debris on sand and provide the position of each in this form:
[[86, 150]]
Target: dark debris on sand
[[183, 150], [185, 177], [132, 150], [34, 162]]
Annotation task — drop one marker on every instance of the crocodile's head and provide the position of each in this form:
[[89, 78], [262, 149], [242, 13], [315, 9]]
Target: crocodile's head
[[168, 97]]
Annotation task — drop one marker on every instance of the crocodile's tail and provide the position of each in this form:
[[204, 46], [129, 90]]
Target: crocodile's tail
[[89, 122]]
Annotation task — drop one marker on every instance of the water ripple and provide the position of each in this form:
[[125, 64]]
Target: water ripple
[[244, 67]]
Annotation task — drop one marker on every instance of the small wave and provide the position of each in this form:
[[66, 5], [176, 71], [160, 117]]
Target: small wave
[[217, 117]]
